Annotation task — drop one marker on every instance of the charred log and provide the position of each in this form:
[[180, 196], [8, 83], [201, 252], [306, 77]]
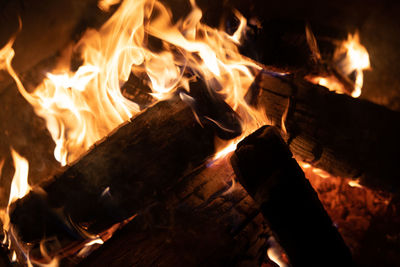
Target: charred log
[[203, 220], [288, 202], [121, 174], [345, 136]]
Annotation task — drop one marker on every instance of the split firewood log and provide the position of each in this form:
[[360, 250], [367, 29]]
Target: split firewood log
[[204, 220], [124, 172], [345, 136], [264, 166], [204, 217]]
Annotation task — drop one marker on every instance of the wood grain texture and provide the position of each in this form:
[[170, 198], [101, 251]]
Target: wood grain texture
[[119, 175], [204, 220], [266, 169], [345, 136]]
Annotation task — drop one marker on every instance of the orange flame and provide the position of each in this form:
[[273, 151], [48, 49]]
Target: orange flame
[[349, 57], [83, 106], [356, 60], [80, 107], [19, 184], [19, 188]]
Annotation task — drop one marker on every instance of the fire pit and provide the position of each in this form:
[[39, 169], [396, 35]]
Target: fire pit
[[141, 133]]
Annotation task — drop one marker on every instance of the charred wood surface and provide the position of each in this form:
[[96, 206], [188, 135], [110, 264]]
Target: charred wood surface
[[266, 169], [120, 175], [345, 136], [205, 220]]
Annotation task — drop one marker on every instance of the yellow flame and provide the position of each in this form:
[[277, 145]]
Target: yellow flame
[[355, 183], [349, 57], [274, 253], [6, 54], [321, 173], [226, 149], [304, 165], [80, 107], [19, 188], [356, 60], [19, 184]]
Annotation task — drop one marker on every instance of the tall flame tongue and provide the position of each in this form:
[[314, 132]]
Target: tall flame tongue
[[83, 106], [19, 188], [19, 184]]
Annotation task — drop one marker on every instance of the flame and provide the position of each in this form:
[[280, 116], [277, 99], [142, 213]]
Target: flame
[[226, 149], [19, 184], [321, 173], [356, 60], [275, 253], [105, 5], [355, 183], [350, 58], [89, 246], [19, 188], [82, 106]]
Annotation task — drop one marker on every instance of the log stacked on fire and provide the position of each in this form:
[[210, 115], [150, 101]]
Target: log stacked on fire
[[345, 136], [112, 189], [290, 205], [99, 188], [134, 169]]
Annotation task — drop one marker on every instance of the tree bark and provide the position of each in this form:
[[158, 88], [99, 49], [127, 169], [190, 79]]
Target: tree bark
[[266, 169], [345, 136]]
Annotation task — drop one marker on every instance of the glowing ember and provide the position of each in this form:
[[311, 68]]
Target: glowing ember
[[321, 173]]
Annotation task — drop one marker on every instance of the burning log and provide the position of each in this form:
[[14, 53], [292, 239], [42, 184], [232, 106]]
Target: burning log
[[345, 136], [266, 169], [204, 219], [202, 206], [124, 172]]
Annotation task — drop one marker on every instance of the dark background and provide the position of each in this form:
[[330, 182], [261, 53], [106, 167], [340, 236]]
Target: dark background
[[378, 23]]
